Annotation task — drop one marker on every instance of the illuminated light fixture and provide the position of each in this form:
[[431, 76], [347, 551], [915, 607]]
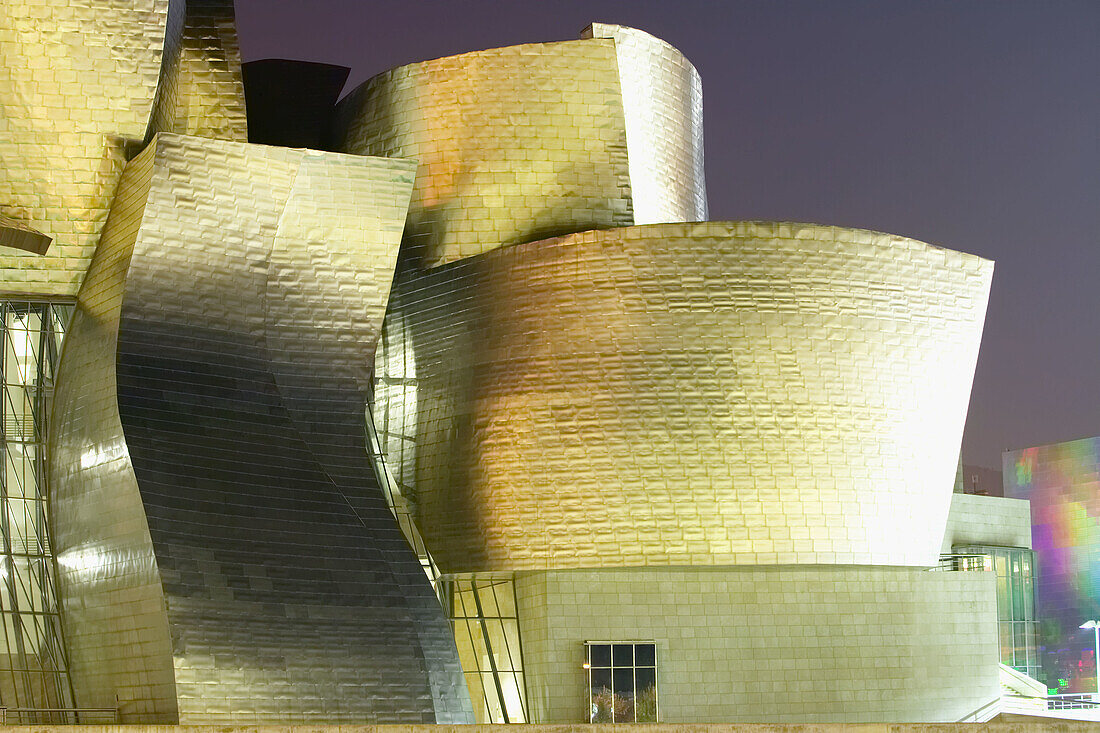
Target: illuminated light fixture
[[1095, 626]]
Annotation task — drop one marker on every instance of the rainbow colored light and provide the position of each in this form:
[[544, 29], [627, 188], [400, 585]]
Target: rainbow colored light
[[1062, 481]]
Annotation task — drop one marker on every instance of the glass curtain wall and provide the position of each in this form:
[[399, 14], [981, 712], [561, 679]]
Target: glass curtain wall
[[34, 683], [1015, 568], [486, 627]]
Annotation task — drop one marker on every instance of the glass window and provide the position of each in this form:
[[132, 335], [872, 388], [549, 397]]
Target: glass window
[[622, 681]]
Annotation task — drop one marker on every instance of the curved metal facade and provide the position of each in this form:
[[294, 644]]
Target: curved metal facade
[[79, 79], [686, 394], [522, 143], [663, 108], [201, 86], [249, 569]]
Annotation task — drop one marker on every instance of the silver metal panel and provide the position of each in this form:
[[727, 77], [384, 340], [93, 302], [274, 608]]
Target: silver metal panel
[[663, 105], [683, 394], [113, 607], [248, 314]]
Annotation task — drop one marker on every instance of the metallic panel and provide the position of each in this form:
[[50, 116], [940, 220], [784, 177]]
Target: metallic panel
[[113, 606], [707, 394], [663, 106], [1062, 483], [77, 78], [18, 235], [246, 322], [514, 144], [201, 87]]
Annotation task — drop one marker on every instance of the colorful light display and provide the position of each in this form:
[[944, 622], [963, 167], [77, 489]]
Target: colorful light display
[[1063, 483]]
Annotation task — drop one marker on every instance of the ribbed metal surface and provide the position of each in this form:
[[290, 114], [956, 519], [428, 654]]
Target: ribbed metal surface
[[708, 394], [247, 320]]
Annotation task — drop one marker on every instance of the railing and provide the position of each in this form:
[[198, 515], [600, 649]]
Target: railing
[[963, 562], [63, 716]]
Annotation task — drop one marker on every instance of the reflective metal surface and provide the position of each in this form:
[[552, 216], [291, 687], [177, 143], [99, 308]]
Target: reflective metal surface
[[521, 143], [113, 606], [201, 88], [78, 78], [221, 533], [514, 144], [684, 394], [663, 108], [18, 235]]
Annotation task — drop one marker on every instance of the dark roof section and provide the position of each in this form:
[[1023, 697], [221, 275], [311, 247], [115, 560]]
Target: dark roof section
[[290, 103]]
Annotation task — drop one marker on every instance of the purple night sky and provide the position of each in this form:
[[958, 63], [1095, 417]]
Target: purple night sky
[[969, 125]]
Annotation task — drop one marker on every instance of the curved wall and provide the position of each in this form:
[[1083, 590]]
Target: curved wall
[[78, 79], [247, 314], [686, 394], [514, 144], [201, 86], [663, 107], [526, 142]]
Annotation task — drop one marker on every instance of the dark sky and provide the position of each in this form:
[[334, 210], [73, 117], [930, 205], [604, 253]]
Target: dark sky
[[973, 125]]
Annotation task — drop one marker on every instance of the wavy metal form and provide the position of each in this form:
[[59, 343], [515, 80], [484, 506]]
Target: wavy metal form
[[685, 394], [522, 143], [226, 555]]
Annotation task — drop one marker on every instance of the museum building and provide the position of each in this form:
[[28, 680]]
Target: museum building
[[444, 402]]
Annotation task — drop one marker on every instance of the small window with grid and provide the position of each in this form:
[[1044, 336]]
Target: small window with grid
[[622, 681]]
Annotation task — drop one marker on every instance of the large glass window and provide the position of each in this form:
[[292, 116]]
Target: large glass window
[[1014, 567], [33, 669], [622, 681], [486, 626]]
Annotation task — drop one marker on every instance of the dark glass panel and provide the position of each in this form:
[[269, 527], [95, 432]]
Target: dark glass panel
[[623, 655], [599, 655], [601, 680], [645, 702], [624, 682], [645, 655], [602, 701]]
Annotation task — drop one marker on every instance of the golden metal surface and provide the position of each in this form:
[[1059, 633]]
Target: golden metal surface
[[201, 89], [225, 554], [521, 143], [663, 107], [514, 144], [689, 394], [77, 78], [120, 652], [18, 235]]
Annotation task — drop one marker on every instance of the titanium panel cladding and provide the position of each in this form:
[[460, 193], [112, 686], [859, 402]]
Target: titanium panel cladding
[[663, 105], [201, 87], [78, 77], [706, 394], [246, 325], [514, 144]]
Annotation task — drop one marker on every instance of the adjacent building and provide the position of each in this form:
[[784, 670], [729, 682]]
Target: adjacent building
[[1062, 483], [447, 404]]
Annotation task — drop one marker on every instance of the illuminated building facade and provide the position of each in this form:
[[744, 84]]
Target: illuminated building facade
[[1062, 482], [623, 445]]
